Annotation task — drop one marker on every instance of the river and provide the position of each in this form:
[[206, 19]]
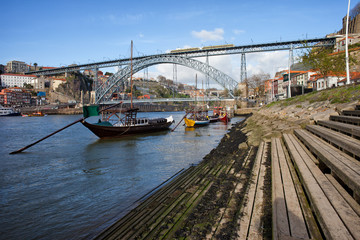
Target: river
[[73, 184]]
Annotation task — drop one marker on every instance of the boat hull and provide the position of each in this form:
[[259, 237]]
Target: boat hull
[[214, 119], [225, 118], [196, 123], [116, 132], [14, 114]]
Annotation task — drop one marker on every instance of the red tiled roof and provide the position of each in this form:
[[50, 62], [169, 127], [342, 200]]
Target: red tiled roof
[[19, 75]]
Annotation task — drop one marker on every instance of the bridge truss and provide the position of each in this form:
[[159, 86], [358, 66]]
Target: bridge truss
[[104, 91]]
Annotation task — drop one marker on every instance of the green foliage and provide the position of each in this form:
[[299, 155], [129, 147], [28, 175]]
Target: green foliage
[[325, 61], [28, 86]]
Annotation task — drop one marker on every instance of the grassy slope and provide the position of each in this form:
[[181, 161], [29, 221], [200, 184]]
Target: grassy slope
[[335, 95]]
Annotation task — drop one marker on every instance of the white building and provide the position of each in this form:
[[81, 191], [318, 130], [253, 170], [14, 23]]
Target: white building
[[341, 42], [16, 80], [38, 83], [302, 78]]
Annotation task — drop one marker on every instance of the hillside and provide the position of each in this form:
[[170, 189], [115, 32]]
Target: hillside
[[296, 112]]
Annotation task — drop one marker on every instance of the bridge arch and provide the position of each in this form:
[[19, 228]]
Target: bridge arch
[[104, 91]]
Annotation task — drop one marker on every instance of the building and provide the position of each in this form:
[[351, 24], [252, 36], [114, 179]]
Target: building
[[14, 97], [15, 80], [354, 79], [319, 82], [56, 82], [17, 67], [340, 44], [38, 83], [301, 78]]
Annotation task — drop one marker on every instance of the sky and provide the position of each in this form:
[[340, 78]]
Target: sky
[[60, 33]]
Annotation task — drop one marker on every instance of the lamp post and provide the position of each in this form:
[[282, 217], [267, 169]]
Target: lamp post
[[289, 75], [347, 46]]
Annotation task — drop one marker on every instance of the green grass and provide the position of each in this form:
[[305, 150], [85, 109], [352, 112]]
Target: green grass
[[335, 95]]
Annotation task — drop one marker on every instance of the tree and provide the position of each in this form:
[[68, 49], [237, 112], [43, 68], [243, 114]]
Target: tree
[[28, 86], [326, 62], [256, 82], [35, 65], [161, 79], [238, 92]]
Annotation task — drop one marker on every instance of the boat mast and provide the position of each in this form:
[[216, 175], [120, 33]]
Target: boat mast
[[131, 74], [196, 88]]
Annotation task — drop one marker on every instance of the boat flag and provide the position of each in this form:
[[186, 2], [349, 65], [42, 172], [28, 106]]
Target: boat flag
[[89, 111]]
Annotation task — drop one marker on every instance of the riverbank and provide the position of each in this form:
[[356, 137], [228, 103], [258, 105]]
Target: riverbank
[[229, 194], [195, 201]]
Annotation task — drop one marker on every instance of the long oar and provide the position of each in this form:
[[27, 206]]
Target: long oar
[[180, 122], [79, 120], [26, 147]]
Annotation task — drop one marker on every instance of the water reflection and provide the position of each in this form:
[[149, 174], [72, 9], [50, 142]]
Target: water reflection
[[72, 182]]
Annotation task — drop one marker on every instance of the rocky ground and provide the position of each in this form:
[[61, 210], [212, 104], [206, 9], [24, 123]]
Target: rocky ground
[[209, 199]]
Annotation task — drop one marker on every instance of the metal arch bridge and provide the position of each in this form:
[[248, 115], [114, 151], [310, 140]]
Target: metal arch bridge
[[179, 56], [104, 91], [265, 47]]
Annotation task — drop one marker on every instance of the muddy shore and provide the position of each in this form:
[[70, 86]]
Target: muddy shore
[[204, 201]]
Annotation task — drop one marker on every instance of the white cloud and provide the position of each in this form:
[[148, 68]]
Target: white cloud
[[141, 35], [204, 35], [267, 62]]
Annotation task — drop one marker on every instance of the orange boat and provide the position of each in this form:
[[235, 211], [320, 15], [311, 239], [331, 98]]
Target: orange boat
[[34, 114]]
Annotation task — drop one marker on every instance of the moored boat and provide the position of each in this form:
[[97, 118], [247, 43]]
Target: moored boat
[[198, 116], [8, 112], [34, 114], [114, 125], [221, 114], [194, 123]]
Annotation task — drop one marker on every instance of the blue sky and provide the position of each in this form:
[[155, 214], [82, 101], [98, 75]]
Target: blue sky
[[56, 33]]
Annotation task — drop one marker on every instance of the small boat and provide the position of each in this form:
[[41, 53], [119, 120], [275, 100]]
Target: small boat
[[221, 114], [224, 118], [114, 125], [198, 117], [34, 114], [193, 123], [8, 112]]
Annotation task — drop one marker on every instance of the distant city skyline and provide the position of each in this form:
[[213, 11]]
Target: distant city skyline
[[76, 32]]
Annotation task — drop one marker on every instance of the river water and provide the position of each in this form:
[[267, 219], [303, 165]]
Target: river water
[[72, 185]]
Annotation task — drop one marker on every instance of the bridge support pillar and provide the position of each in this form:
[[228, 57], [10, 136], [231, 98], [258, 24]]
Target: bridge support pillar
[[243, 74]]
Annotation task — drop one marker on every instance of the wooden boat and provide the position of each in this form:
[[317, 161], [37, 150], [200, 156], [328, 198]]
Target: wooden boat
[[113, 124], [34, 114], [221, 114], [197, 117], [224, 118], [194, 123], [127, 125]]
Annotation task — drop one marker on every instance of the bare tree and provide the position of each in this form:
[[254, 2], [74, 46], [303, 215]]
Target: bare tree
[[256, 82]]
